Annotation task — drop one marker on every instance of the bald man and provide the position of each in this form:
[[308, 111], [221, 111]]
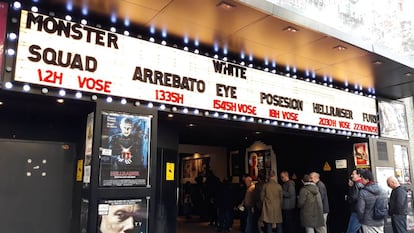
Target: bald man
[[315, 178], [398, 206]]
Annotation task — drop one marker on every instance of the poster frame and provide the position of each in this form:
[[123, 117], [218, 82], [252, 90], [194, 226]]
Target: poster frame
[[196, 162], [110, 128], [137, 208], [392, 119], [265, 161], [361, 155]]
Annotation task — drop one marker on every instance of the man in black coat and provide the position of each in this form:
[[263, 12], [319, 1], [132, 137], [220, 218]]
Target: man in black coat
[[397, 206]]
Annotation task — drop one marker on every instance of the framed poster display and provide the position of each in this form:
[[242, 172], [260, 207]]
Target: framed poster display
[[88, 149], [235, 162], [259, 161], [125, 149], [393, 119], [193, 167], [123, 216], [361, 155], [402, 165]]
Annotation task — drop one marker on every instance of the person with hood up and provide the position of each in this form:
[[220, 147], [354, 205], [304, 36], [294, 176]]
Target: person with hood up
[[310, 204], [366, 201]]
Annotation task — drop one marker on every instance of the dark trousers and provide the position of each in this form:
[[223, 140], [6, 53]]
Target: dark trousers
[[399, 223], [243, 220], [288, 221], [225, 218], [268, 227], [212, 214]]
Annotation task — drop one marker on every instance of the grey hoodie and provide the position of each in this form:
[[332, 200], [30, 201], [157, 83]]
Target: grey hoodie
[[365, 204], [310, 204]]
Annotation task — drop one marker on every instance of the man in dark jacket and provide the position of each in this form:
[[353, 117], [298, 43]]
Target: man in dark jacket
[[365, 204], [355, 184], [310, 204], [398, 206], [324, 194], [288, 203]]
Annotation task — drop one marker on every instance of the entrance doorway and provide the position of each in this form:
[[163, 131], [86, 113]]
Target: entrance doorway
[[297, 152], [36, 186]]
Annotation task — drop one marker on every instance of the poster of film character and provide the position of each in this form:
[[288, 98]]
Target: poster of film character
[[123, 216], [259, 162], [125, 149]]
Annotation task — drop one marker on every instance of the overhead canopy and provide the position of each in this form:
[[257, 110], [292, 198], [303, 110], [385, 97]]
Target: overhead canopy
[[240, 28]]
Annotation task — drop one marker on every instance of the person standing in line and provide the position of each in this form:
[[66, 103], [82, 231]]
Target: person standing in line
[[315, 177], [241, 193], [310, 205], [225, 203], [366, 201], [398, 206], [212, 184], [258, 203], [288, 202], [271, 196], [355, 184], [247, 205]]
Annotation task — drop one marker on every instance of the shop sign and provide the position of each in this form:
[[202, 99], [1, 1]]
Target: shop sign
[[64, 54]]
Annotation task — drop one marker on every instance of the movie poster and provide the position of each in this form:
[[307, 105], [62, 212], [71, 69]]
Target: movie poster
[[88, 149], [259, 161], [125, 149], [393, 119], [361, 155], [402, 164], [194, 167], [123, 216]]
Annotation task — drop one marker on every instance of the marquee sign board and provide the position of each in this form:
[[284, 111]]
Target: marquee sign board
[[64, 54]]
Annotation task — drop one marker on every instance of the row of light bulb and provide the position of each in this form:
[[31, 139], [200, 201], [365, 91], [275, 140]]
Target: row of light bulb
[[185, 110]]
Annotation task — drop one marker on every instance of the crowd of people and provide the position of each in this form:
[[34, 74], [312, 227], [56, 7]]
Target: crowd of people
[[265, 206], [364, 194]]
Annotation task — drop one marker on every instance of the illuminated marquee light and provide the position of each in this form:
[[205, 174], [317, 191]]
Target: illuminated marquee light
[[251, 58]]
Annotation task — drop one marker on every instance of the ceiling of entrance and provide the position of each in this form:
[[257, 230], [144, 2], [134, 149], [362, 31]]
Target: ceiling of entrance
[[243, 28]]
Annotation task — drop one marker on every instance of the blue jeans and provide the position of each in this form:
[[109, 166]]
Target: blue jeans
[[251, 222], [399, 223], [353, 224]]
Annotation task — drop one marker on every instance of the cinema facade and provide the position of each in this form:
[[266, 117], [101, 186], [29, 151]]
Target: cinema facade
[[102, 76]]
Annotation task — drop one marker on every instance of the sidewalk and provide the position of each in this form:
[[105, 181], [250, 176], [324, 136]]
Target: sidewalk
[[193, 225]]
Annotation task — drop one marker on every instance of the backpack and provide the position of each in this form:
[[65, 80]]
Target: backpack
[[380, 208]]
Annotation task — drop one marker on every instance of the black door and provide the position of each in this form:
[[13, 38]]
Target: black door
[[36, 182]]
